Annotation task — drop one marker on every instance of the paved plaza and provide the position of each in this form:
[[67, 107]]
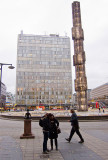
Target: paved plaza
[[95, 146]]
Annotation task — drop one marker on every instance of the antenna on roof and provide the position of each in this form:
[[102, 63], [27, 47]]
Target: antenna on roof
[[21, 32]]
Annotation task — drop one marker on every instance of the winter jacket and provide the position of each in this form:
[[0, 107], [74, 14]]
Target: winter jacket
[[46, 124], [53, 128], [74, 121]]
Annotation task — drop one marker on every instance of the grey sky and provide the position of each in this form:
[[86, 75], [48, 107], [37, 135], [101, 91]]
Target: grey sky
[[55, 16]]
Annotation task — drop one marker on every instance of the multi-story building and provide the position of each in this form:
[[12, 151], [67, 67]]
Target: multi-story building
[[100, 92], [2, 96], [88, 94], [10, 100], [43, 70], [75, 103]]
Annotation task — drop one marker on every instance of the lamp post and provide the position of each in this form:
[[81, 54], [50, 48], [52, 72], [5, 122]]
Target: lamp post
[[10, 67]]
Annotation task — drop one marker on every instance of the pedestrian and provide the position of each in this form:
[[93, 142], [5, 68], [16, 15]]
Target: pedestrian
[[53, 135], [44, 122], [75, 127], [103, 110], [99, 110]]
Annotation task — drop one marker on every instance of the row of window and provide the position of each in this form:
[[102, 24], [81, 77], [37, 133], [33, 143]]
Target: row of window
[[44, 48], [39, 79], [58, 75], [44, 95], [37, 102], [40, 57], [46, 90], [44, 38], [37, 53], [42, 42], [52, 79], [44, 87], [29, 62], [43, 67]]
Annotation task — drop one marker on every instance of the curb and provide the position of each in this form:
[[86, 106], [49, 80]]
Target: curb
[[62, 118]]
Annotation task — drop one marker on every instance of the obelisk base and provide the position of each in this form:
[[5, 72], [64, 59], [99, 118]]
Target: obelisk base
[[27, 130]]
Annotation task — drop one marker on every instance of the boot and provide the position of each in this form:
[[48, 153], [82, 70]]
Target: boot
[[51, 142], [56, 144]]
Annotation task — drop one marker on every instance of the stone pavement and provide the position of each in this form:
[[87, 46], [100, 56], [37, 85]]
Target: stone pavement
[[95, 146]]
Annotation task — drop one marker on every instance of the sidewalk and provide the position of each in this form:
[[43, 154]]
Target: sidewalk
[[13, 148]]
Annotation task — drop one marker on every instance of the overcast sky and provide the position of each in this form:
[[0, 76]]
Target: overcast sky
[[55, 16]]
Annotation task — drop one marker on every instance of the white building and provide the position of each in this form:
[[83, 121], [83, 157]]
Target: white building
[[100, 91], [43, 70]]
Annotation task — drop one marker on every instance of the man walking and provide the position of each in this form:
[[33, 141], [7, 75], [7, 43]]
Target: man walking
[[75, 127]]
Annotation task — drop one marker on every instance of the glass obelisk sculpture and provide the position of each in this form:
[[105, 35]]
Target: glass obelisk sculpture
[[79, 58]]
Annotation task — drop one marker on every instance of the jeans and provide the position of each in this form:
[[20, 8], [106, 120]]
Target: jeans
[[45, 139]]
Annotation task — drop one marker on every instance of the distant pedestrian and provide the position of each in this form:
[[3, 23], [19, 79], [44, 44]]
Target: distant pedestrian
[[103, 110], [75, 127], [54, 124], [99, 110]]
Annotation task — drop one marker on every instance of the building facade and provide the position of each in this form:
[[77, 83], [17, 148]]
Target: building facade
[[100, 92], [88, 94], [10, 100], [2, 96], [75, 103], [43, 74]]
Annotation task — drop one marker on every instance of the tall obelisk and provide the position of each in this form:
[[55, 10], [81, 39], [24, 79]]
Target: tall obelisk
[[79, 58]]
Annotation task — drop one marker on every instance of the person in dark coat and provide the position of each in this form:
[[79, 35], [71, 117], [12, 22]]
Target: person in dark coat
[[75, 127], [46, 126], [54, 124]]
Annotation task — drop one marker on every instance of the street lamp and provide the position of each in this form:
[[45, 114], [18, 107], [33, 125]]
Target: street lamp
[[10, 67]]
